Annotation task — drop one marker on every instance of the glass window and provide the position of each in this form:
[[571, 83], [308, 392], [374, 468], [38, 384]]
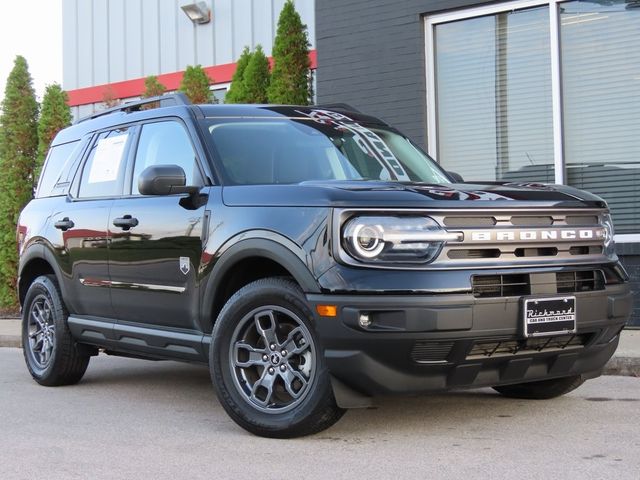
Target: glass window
[[293, 151], [600, 47], [166, 143], [103, 170], [54, 166], [493, 96]]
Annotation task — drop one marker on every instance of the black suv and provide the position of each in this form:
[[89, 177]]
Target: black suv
[[314, 257]]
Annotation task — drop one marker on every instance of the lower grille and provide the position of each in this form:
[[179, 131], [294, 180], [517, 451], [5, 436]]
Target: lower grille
[[501, 348], [431, 352], [500, 285], [518, 284], [583, 281]]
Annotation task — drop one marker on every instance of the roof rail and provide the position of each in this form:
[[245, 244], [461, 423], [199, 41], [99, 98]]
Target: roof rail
[[162, 100], [338, 106]]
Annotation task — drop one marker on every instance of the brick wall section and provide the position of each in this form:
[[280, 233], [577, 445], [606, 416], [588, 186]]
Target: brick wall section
[[371, 54]]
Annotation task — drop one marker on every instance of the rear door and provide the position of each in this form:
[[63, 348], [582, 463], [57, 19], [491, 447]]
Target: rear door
[[156, 241], [82, 223]]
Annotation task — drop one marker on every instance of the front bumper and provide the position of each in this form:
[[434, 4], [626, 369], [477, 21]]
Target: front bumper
[[421, 343]]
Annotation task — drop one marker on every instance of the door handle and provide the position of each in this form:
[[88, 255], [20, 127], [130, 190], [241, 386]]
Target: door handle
[[64, 224], [126, 222]]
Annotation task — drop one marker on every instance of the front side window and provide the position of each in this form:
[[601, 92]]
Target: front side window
[[104, 168], [286, 151], [166, 143]]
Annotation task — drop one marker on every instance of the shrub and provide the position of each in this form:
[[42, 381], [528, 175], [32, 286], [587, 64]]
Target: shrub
[[195, 84]]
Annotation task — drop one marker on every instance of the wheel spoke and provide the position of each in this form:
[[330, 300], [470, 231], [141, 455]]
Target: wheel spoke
[[265, 382], [254, 355], [266, 325], [36, 333], [38, 343], [296, 343], [290, 376]]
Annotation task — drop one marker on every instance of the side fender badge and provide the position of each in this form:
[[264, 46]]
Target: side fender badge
[[185, 265]]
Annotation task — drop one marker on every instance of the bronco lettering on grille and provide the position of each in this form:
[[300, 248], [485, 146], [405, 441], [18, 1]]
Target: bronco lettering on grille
[[559, 234]]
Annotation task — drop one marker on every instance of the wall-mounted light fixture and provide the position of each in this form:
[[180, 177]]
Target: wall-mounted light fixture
[[198, 12]]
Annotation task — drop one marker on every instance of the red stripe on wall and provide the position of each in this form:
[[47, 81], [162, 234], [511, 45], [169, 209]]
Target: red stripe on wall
[[135, 87]]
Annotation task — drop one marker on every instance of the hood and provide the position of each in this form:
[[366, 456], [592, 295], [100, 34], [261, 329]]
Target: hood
[[368, 194]]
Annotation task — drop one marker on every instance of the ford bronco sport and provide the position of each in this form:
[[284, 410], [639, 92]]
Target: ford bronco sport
[[313, 257]]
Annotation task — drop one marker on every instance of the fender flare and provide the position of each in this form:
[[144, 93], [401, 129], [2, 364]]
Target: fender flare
[[255, 244], [39, 251]]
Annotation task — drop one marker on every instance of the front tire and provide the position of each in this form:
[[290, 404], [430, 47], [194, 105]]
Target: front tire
[[541, 390], [51, 353], [267, 365]]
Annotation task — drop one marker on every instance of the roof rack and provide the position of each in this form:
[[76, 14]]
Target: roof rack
[[162, 100], [338, 106]]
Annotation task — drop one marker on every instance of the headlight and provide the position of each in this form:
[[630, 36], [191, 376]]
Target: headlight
[[609, 243], [377, 239]]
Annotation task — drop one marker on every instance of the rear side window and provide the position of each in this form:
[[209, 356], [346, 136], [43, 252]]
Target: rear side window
[[57, 160], [105, 165]]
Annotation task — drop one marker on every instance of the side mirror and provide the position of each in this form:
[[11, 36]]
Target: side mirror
[[456, 177], [164, 180]]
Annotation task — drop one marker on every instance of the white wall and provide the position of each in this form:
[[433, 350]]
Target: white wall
[[107, 41]]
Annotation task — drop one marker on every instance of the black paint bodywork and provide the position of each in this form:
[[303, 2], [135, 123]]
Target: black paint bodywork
[[126, 292]]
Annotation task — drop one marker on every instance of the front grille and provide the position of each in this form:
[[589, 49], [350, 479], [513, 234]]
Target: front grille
[[519, 284], [516, 237], [501, 348], [431, 352]]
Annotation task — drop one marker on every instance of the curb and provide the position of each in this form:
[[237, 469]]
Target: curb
[[11, 341]]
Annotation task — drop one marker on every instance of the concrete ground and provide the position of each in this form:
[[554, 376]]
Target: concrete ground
[[139, 419]]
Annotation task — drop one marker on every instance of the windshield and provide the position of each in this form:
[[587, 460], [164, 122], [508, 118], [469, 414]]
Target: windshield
[[256, 151]]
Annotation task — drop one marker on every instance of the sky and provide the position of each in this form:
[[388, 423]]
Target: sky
[[37, 37]]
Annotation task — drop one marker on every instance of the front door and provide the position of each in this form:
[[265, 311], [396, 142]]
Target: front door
[[156, 241]]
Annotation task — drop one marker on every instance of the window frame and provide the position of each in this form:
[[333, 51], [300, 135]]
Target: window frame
[[127, 191], [431, 21], [74, 191]]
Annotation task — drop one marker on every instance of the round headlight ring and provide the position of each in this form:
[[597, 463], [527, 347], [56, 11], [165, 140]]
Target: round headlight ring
[[367, 241]]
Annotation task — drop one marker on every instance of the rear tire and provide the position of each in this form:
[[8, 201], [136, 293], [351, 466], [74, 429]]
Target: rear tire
[[542, 390], [51, 353], [267, 364]]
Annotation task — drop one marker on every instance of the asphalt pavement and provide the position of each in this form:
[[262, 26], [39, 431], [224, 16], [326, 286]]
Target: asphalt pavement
[[161, 420]]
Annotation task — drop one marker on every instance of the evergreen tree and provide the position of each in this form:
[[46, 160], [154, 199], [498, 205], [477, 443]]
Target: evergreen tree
[[18, 147], [290, 78], [236, 93], [152, 88], [109, 98], [55, 115], [195, 84], [256, 78]]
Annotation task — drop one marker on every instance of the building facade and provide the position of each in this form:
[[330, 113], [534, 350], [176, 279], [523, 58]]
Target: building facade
[[110, 46], [524, 90]]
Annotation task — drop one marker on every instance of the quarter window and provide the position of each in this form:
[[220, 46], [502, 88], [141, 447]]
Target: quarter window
[[57, 160]]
